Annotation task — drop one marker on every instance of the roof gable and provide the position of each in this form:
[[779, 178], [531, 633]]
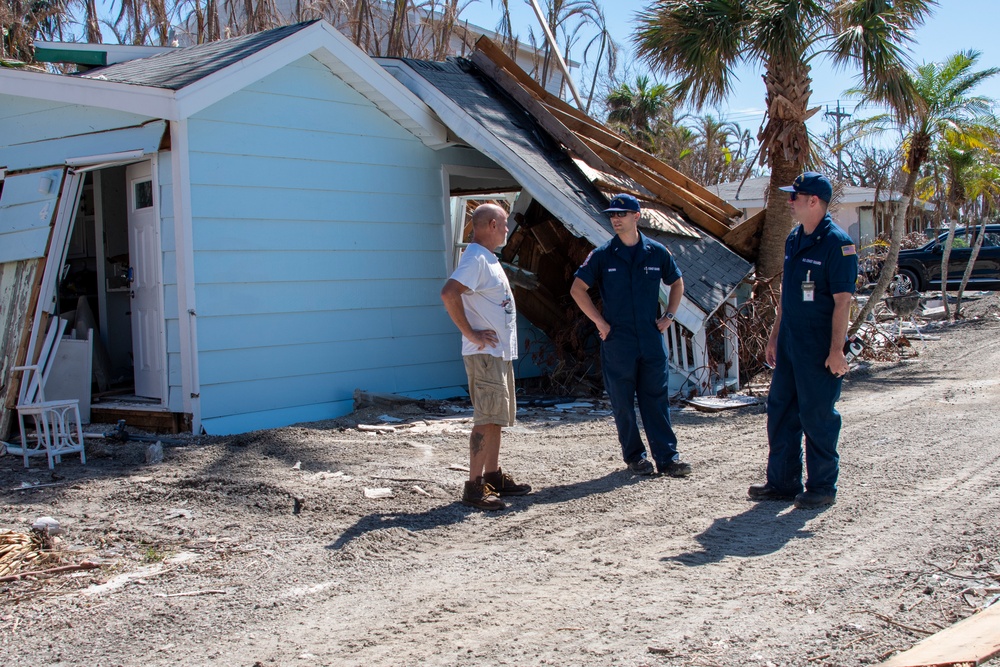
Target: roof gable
[[178, 84]]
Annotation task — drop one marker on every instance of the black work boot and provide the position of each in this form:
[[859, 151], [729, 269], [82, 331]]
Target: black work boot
[[767, 492]]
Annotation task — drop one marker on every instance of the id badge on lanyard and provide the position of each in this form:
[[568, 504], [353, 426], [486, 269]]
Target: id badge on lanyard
[[808, 288]]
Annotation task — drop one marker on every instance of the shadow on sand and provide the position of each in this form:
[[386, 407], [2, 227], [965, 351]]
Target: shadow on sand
[[455, 512], [762, 529]]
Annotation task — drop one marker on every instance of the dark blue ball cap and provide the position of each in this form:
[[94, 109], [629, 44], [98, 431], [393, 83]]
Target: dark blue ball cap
[[623, 203], [812, 183]]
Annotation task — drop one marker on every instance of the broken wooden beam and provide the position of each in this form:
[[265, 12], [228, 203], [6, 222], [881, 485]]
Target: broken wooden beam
[[533, 105], [744, 239], [665, 192], [698, 194]]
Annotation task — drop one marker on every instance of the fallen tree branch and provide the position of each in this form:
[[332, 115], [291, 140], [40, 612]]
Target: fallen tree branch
[[85, 565], [952, 574], [888, 620]]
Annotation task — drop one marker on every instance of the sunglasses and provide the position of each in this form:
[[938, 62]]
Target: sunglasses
[[618, 214]]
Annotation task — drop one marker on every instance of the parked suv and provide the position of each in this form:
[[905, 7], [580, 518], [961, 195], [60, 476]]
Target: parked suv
[[922, 266]]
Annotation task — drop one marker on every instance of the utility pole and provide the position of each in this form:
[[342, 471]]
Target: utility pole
[[838, 114]]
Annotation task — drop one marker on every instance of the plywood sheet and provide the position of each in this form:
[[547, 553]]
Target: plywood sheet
[[972, 641], [18, 281]]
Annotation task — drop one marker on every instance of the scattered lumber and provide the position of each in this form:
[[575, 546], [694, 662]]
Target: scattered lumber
[[17, 550], [603, 149], [534, 106]]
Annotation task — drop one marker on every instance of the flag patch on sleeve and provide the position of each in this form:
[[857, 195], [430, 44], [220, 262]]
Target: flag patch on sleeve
[[848, 250]]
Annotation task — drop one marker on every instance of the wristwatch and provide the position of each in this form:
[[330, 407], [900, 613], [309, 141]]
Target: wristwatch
[[669, 316]]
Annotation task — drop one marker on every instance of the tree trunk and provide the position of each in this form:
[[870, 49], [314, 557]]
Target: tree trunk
[[785, 143], [896, 240], [980, 233], [945, 259], [778, 219]]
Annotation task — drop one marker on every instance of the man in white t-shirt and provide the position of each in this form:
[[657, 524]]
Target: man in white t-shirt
[[478, 299]]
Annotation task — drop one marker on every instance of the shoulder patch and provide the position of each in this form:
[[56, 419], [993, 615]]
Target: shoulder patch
[[848, 250], [587, 260]]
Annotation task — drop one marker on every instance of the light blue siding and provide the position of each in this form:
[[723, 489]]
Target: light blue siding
[[319, 254], [300, 266], [36, 134], [251, 235], [27, 206]]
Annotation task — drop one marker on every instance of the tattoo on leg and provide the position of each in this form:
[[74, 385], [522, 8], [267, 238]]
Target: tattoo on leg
[[476, 443]]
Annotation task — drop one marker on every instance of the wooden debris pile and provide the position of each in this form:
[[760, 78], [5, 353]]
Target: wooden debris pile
[[33, 555], [22, 551], [614, 164]]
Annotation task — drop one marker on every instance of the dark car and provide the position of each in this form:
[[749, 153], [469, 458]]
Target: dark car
[[922, 266]]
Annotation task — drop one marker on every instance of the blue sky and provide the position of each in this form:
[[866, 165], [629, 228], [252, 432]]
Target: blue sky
[[954, 25]]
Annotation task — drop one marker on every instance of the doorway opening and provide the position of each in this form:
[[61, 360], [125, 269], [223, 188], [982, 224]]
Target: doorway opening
[[110, 282]]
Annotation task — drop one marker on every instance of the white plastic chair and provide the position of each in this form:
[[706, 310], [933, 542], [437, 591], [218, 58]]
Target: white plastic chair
[[57, 428]]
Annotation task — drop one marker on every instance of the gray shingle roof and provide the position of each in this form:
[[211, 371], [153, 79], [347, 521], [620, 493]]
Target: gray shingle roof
[[511, 125], [182, 67], [711, 271]]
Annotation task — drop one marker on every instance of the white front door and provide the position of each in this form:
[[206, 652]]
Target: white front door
[[144, 248]]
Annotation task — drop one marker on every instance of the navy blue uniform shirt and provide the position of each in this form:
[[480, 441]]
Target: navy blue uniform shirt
[[630, 290], [829, 259]]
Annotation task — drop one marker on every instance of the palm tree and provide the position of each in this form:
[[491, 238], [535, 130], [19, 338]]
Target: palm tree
[[981, 186], [721, 150], [941, 101], [703, 41], [634, 110]]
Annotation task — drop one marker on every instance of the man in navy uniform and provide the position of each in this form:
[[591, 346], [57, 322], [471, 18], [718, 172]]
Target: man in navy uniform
[[806, 349], [628, 271]]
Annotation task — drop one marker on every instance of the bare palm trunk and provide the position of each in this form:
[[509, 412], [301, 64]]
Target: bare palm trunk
[[778, 222], [785, 142], [980, 233], [945, 259]]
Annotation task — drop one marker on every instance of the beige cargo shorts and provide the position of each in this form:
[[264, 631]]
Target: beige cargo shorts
[[491, 389]]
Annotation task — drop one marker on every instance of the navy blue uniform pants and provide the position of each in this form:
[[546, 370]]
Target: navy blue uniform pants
[[628, 376], [801, 401]]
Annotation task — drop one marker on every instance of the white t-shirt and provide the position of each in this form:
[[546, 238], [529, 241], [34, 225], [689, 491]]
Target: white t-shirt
[[488, 303]]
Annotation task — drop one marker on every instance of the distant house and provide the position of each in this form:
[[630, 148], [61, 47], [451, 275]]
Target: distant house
[[853, 209], [262, 225]]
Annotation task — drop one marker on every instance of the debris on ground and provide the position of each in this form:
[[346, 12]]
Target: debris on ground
[[720, 403]]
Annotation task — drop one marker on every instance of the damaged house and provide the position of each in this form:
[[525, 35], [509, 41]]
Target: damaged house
[[256, 227]]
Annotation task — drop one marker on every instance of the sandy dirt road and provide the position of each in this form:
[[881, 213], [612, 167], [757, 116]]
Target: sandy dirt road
[[262, 549]]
